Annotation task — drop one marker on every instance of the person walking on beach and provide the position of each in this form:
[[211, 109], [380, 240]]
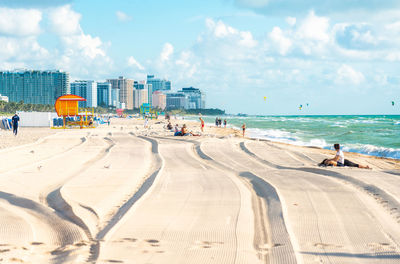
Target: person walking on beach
[[244, 128], [201, 124], [340, 161], [109, 121], [216, 121], [15, 120], [225, 123], [219, 122]]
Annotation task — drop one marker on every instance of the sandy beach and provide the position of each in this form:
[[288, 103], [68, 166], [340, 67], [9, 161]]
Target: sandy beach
[[128, 194]]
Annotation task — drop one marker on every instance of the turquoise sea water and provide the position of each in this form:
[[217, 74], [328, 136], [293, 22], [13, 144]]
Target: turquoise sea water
[[377, 135]]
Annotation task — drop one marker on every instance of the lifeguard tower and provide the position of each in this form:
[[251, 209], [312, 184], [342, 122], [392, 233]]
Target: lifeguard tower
[[146, 111], [67, 107]]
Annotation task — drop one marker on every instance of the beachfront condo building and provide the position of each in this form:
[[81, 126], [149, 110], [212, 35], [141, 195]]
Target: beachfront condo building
[[195, 98], [125, 87], [104, 94], [140, 96], [158, 84], [176, 100], [159, 100], [87, 90], [34, 87], [115, 98], [145, 86]]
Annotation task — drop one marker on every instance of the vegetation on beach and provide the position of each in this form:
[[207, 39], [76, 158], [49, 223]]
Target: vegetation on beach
[[8, 108]]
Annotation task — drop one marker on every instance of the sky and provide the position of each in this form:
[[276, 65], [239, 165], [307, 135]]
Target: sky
[[338, 56]]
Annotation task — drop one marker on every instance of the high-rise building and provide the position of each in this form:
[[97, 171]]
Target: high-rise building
[[158, 84], [34, 87], [87, 90], [176, 100], [195, 98], [104, 94], [125, 87], [115, 98], [140, 97], [159, 100], [145, 86]]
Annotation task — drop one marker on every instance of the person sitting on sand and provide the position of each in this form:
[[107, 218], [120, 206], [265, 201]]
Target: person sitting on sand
[[169, 126], [340, 161]]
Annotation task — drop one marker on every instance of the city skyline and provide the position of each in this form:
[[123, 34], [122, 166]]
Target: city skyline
[[249, 56]]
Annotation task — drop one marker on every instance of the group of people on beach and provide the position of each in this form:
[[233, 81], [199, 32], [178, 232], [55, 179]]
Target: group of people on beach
[[183, 131], [218, 122]]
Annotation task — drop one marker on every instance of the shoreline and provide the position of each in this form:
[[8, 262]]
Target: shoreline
[[29, 135]]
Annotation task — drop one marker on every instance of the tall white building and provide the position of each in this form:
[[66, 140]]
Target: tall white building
[[87, 90], [125, 87], [140, 96]]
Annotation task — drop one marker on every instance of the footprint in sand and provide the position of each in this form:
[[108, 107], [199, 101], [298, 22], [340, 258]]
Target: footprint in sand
[[323, 245], [381, 247], [129, 239], [16, 260], [37, 243]]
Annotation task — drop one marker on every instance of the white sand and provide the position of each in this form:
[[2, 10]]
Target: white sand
[[128, 194]]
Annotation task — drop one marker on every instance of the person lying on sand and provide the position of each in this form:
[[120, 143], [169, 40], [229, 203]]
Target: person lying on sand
[[340, 161]]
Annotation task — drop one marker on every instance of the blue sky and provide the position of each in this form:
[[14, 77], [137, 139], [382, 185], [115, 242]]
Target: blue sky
[[340, 57]]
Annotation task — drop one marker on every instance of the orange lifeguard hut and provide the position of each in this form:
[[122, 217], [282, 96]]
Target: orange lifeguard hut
[[67, 107]]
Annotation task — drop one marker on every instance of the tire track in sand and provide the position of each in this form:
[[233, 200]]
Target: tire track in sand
[[384, 199]]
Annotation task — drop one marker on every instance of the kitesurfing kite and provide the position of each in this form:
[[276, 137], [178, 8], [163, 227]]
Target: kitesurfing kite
[[265, 98]]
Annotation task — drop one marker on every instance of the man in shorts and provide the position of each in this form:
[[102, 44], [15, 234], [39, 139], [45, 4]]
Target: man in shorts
[[340, 161]]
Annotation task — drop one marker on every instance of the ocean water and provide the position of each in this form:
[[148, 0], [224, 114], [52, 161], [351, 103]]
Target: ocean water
[[376, 135]]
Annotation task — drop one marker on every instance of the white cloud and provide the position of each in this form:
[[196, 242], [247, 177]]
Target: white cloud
[[314, 28], [282, 43], [65, 21], [219, 29], [21, 50], [166, 52], [291, 21], [222, 31], [132, 62], [20, 22], [81, 54], [346, 74], [123, 17]]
